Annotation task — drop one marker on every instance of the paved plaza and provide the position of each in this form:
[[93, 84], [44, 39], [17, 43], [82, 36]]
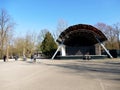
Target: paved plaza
[[60, 75]]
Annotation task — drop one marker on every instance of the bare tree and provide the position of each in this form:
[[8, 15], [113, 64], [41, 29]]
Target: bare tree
[[41, 35], [30, 43], [25, 45], [110, 33], [18, 46], [61, 26], [117, 32], [6, 27]]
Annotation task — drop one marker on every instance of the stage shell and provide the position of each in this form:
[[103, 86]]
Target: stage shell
[[81, 35]]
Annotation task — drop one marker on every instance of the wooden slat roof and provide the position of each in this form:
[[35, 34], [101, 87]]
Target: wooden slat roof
[[81, 35]]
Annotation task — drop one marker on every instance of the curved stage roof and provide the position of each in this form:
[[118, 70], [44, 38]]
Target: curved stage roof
[[81, 35]]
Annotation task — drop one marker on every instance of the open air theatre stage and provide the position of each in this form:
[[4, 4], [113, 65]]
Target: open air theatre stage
[[81, 41]]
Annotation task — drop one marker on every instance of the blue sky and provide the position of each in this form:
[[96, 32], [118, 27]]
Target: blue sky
[[34, 15]]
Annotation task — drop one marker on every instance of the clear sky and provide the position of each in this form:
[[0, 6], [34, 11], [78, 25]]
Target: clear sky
[[34, 15]]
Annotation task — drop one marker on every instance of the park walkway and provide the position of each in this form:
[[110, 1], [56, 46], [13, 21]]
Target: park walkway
[[60, 75]]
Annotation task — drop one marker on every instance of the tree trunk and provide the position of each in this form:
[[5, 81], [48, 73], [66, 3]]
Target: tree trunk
[[7, 52]]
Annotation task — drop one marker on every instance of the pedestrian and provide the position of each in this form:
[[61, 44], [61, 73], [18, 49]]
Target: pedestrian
[[32, 57], [35, 56], [4, 58], [16, 57]]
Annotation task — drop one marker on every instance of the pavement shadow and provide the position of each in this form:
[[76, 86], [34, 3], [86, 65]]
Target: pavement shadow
[[113, 63], [106, 70], [109, 71]]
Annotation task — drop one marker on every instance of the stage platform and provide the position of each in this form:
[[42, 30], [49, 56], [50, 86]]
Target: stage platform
[[85, 57]]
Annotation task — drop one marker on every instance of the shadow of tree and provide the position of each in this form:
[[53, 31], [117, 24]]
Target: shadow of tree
[[105, 70]]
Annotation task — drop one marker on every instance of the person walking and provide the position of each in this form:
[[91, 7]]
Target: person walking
[[35, 57], [32, 57], [16, 57], [4, 58]]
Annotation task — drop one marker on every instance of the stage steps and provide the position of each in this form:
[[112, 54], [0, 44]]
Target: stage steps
[[82, 57]]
